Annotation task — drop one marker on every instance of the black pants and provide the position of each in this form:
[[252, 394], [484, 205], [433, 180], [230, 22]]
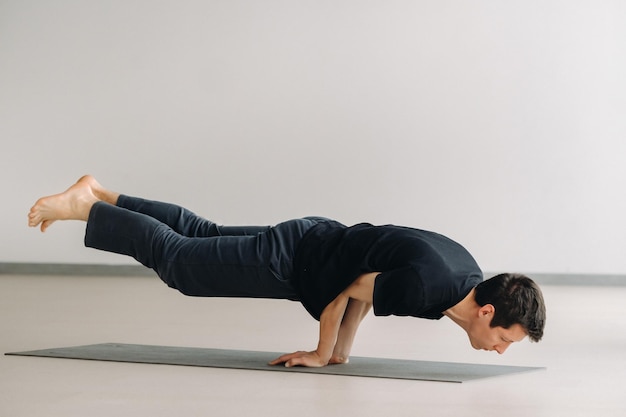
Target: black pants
[[196, 256]]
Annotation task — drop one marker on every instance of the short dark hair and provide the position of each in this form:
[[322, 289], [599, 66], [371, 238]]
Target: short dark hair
[[517, 300]]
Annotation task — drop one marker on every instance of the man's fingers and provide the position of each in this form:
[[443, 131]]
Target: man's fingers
[[299, 358], [294, 362], [278, 360], [286, 357]]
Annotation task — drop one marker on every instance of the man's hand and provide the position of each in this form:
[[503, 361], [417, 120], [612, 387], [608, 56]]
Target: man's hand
[[300, 358], [309, 359], [338, 360]]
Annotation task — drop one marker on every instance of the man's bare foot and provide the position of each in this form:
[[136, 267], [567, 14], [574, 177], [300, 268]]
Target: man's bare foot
[[99, 191], [72, 204]]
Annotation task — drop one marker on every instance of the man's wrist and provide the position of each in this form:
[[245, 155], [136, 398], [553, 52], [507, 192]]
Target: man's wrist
[[324, 355]]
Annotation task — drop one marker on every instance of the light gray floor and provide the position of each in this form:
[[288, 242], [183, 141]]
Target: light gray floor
[[584, 350]]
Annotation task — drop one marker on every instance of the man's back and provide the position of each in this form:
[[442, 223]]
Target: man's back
[[422, 273]]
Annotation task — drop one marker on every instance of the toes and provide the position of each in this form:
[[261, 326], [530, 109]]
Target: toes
[[33, 220], [45, 224]]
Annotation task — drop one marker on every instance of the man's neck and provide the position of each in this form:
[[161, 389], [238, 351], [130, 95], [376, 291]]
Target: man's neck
[[462, 312]]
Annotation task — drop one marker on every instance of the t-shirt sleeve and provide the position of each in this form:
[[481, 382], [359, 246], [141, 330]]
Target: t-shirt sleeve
[[399, 292]]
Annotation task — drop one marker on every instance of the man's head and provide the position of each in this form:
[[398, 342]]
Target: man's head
[[511, 307]]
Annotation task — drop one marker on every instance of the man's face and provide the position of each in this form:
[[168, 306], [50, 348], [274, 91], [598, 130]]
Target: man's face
[[484, 337]]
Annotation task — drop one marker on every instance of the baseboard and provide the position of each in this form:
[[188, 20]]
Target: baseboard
[[17, 268], [599, 280]]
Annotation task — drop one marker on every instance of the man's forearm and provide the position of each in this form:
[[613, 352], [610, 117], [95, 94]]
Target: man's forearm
[[355, 312], [330, 323]]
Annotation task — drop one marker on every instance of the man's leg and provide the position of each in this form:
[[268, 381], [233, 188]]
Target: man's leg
[[178, 218], [183, 221], [248, 266], [221, 266]]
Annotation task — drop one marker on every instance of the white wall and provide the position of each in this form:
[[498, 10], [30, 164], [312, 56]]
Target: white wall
[[501, 124]]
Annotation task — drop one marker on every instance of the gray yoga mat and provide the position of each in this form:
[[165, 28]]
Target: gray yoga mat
[[245, 359]]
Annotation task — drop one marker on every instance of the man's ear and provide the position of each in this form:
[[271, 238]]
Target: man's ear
[[486, 310]]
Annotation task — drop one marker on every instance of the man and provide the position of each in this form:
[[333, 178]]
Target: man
[[338, 273]]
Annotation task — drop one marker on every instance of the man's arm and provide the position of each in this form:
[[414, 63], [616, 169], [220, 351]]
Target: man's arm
[[330, 321], [332, 336], [355, 313]]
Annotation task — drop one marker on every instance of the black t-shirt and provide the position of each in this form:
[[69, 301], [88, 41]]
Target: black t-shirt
[[422, 273]]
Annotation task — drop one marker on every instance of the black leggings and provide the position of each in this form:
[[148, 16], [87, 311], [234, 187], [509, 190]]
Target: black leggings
[[196, 256]]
